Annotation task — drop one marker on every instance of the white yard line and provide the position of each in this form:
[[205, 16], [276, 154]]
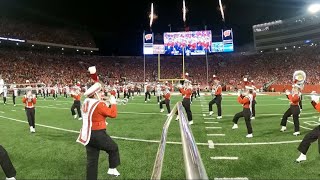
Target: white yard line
[[216, 135], [169, 142], [259, 115], [213, 127], [235, 178], [211, 122], [224, 158], [210, 118]]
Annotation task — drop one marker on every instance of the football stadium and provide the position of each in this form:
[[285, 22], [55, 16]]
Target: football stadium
[[216, 89]]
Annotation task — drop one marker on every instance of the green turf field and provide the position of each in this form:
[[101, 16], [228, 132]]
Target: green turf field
[[52, 153]]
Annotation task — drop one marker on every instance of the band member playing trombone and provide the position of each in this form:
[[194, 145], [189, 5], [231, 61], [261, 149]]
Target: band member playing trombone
[[217, 92]]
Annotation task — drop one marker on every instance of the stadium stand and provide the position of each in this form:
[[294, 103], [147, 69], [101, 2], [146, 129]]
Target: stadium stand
[[19, 65]]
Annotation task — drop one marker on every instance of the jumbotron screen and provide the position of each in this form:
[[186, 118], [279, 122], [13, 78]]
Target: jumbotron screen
[[195, 42]]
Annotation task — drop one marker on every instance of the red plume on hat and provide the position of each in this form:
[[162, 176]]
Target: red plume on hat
[[93, 73]]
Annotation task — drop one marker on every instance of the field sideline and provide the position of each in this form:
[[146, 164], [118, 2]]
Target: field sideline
[[52, 153]]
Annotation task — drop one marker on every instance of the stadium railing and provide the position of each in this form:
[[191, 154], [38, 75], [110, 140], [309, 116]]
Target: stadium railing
[[193, 163]]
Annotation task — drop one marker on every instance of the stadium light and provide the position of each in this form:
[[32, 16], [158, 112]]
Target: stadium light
[[77, 49], [294, 46], [62, 49], [91, 51], [285, 47], [314, 8], [32, 45], [48, 47], [277, 49]]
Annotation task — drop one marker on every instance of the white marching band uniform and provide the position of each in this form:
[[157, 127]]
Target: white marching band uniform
[[5, 91], [85, 132], [1, 86]]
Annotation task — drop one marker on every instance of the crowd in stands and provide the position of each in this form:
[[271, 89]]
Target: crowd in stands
[[21, 65], [33, 31]]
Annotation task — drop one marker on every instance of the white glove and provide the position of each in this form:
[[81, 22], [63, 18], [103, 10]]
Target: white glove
[[315, 98], [239, 92], [112, 100], [287, 92], [92, 69]]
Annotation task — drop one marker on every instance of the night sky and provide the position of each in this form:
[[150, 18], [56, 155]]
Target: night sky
[[117, 26]]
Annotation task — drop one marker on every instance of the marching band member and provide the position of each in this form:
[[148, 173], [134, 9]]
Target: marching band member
[[5, 93], [158, 92], [194, 93], [166, 101], [93, 134], [246, 100], [66, 91], [153, 89], [118, 91], [55, 92], [76, 95], [293, 110], [139, 89], [131, 93], [125, 92], [30, 100], [254, 102], [198, 89], [1, 84], [6, 164], [14, 93], [45, 92], [186, 92], [217, 92], [313, 135], [147, 92]]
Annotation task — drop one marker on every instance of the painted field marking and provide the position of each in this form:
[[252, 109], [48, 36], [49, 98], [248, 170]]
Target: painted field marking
[[216, 135], [235, 178], [169, 142], [213, 127], [211, 145], [211, 122], [224, 158], [312, 123], [300, 126], [1, 112]]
